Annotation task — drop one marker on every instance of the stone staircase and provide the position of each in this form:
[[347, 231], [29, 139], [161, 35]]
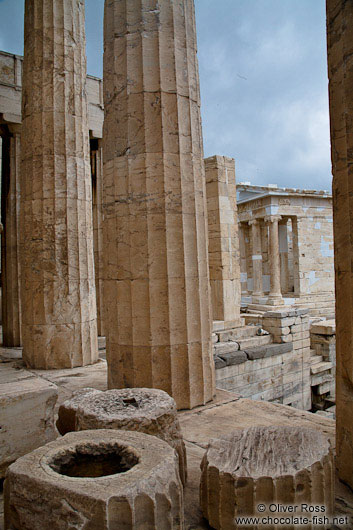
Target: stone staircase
[[322, 381]]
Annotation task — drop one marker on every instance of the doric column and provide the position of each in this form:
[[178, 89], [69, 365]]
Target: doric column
[[59, 324], [275, 295], [156, 278], [256, 259], [97, 187], [340, 71], [10, 267], [223, 247]]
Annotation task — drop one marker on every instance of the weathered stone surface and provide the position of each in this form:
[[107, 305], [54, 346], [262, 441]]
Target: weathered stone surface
[[326, 327], [136, 484], [223, 247], [290, 465], [10, 261], [219, 363], [225, 347], [26, 413], [58, 299], [235, 357], [66, 421], [145, 410], [156, 287], [268, 351]]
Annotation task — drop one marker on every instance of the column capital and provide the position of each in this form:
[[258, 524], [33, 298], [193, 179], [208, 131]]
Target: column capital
[[272, 218], [254, 222]]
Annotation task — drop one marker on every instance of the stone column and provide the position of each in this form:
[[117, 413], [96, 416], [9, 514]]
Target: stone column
[[296, 279], [10, 266], [340, 71], [97, 185], [275, 295], [283, 255], [243, 228], [223, 247], [59, 323], [156, 287], [256, 260]]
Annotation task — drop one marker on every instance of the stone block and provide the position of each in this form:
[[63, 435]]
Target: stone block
[[326, 327], [253, 466], [219, 363], [225, 347], [279, 322], [232, 358], [296, 329], [26, 413], [268, 351], [101, 479], [280, 314], [146, 410]]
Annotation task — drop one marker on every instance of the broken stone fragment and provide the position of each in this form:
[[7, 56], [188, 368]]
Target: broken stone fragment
[[147, 410], [257, 465], [102, 479], [66, 421]]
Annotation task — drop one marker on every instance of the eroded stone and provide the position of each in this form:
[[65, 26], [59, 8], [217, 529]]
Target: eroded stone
[[146, 410], [260, 465], [96, 479]]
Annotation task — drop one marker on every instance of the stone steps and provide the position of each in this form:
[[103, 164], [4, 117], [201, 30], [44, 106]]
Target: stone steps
[[320, 367], [259, 340]]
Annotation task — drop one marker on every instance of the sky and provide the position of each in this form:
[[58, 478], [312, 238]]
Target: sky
[[263, 77]]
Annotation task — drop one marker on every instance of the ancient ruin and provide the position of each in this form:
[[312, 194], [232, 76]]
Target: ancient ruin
[[58, 301], [102, 479], [146, 410], [220, 294], [260, 465], [291, 263]]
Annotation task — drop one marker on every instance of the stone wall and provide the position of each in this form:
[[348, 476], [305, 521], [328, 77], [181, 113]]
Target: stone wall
[[278, 372]]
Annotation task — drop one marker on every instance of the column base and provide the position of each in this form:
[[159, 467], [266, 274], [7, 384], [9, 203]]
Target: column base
[[258, 298], [275, 300]]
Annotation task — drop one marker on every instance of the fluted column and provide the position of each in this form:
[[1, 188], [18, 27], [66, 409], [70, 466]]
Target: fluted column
[[59, 323], [340, 71], [256, 259], [275, 296], [156, 292], [10, 267], [97, 186], [223, 248]]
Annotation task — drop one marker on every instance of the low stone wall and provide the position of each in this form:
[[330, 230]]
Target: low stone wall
[[278, 372], [281, 378]]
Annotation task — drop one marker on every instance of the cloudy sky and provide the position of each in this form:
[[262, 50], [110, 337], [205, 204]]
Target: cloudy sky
[[263, 83]]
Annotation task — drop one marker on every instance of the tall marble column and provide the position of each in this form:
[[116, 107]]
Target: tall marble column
[[223, 247], [275, 295], [257, 292], [10, 266], [97, 188], [340, 72], [59, 324], [156, 292]]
